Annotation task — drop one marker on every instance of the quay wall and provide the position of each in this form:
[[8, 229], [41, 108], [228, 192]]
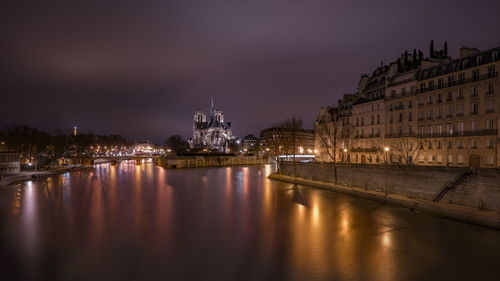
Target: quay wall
[[481, 190], [210, 161]]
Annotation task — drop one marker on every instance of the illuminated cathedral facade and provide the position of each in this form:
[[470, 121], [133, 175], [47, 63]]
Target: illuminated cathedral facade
[[212, 132]]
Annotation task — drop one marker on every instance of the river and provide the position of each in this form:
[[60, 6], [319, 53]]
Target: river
[[143, 222]]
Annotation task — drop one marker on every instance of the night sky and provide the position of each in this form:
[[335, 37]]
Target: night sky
[[140, 68]]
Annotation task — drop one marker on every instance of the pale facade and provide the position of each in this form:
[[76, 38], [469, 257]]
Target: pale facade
[[438, 112], [459, 111]]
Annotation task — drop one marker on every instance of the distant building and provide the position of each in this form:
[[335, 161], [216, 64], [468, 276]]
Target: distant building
[[248, 144], [284, 142], [212, 133], [9, 162]]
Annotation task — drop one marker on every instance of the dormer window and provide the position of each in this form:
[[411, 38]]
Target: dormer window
[[464, 63], [478, 60], [495, 56]]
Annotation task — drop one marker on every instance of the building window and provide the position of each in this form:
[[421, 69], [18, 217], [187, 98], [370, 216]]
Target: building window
[[461, 78], [449, 129], [475, 75], [439, 129], [410, 116], [421, 158], [460, 94], [474, 144], [460, 109], [489, 91], [491, 71], [429, 99], [490, 106], [439, 146], [460, 159], [490, 160], [474, 92], [450, 158], [431, 85], [460, 144], [429, 130], [489, 124], [378, 119], [473, 125], [490, 143], [451, 80], [430, 114], [450, 144], [450, 96], [450, 110], [400, 117], [460, 128], [409, 104], [474, 108], [440, 83], [429, 158]]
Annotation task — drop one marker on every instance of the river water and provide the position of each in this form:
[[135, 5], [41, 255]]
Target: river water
[[143, 222]]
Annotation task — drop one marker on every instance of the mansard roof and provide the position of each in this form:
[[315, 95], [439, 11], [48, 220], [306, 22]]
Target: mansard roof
[[460, 64]]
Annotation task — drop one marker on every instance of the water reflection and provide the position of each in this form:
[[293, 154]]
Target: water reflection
[[142, 222]]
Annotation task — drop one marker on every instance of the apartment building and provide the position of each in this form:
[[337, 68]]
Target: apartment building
[[458, 111], [433, 111]]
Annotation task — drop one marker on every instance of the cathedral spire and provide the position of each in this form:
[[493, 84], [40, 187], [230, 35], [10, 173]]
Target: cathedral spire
[[212, 111]]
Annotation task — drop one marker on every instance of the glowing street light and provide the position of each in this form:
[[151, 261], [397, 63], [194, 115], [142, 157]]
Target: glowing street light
[[386, 149]]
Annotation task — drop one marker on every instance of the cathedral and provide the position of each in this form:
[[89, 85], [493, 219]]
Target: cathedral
[[213, 134]]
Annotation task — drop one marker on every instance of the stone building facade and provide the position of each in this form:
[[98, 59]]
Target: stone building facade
[[212, 132], [9, 162], [434, 111], [284, 142]]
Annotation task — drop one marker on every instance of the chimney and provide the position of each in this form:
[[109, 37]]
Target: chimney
[[468, 51]]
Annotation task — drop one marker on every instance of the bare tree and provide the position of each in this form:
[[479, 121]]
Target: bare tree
[[330, 132], [282, 140], [407, 149], [290, 138]]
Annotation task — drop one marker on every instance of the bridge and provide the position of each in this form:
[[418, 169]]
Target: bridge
[[115, 159]]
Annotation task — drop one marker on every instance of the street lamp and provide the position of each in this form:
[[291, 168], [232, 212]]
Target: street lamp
[[345, 155]]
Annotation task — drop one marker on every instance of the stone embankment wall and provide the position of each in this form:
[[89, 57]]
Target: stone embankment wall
[[214, 161], [480, 190]]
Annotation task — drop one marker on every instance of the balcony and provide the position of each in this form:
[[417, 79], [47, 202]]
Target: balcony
[[463, 81], [459, 134]]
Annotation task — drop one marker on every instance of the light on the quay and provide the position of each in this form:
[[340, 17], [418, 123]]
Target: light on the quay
[[345, 149], [386, 148]]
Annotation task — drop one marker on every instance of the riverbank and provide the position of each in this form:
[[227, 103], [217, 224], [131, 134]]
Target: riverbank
[[490, 219], [176, 162], [26, 176]]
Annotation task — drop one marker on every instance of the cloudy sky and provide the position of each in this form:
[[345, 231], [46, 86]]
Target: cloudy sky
[[140, 68]]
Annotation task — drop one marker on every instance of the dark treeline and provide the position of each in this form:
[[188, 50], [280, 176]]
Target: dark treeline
[[35, 143]]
